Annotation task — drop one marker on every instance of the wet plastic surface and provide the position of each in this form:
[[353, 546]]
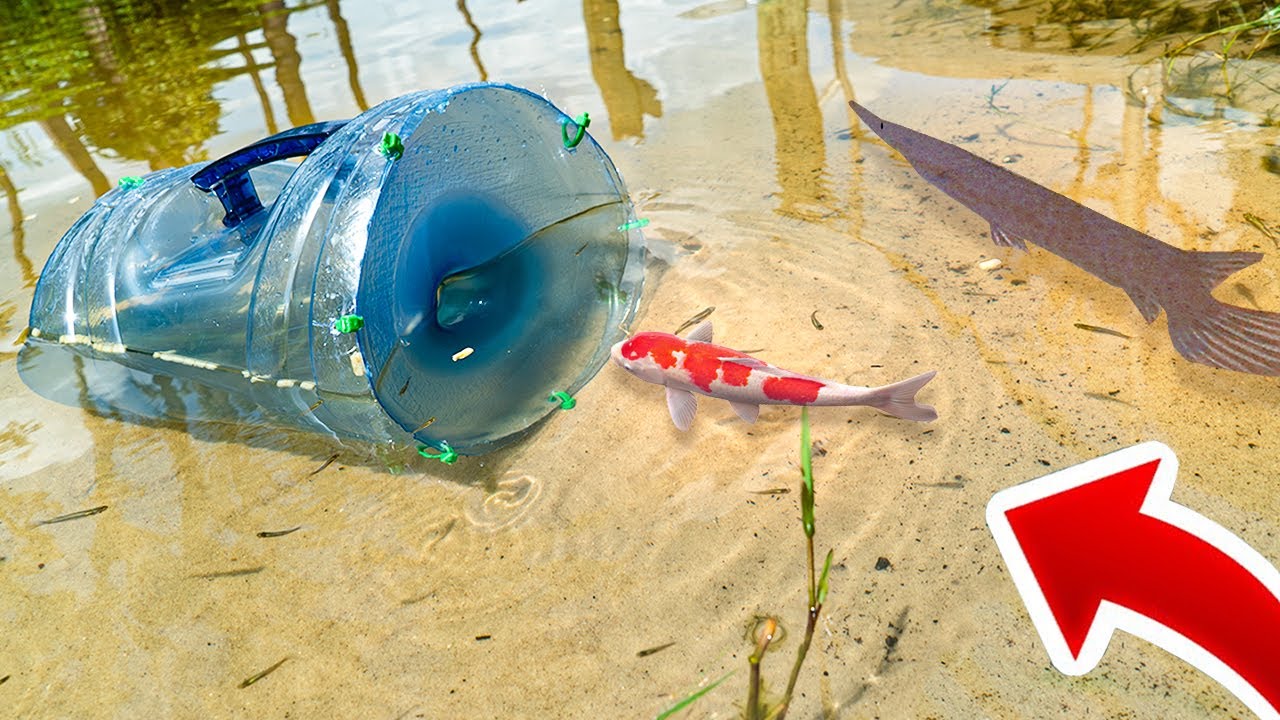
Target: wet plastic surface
[[484, 233]]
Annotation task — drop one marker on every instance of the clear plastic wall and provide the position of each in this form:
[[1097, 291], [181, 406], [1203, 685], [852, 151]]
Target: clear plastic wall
[[438, 289]]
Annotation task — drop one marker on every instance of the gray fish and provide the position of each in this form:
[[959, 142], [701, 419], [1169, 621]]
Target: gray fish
[[1156, 276]]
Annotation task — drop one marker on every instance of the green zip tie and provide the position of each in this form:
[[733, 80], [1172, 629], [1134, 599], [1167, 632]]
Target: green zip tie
[[392, 146], [565, 399], [633, 225], [582, 121], [130, 182], [447, 455], [348, 323]]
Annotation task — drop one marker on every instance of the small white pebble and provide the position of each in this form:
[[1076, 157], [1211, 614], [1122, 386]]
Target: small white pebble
[[992, 264], [357, 363], [463, 354]]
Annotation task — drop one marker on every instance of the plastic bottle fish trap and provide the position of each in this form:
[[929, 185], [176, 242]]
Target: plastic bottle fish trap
[[431, 271]]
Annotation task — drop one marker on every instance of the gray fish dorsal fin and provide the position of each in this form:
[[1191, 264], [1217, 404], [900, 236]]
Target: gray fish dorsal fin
[[700, 333], [682, 405]]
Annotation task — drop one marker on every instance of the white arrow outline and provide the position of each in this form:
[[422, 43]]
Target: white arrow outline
[[1112, 617]]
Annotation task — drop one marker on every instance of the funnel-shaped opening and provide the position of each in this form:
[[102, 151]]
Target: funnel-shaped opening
[[495, 271]]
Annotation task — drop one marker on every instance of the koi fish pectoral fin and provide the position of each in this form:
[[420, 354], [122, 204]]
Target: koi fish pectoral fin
[[746, 411], [1004, 239], [1147, 305], [1225, 336], [682, 405]]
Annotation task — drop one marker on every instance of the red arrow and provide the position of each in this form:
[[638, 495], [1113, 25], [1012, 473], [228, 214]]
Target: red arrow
[[1099, 547]]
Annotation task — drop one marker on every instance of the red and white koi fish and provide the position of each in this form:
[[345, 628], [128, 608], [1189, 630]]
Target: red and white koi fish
[[692, 364]]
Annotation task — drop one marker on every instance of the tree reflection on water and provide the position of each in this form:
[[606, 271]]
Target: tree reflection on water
[[135, 79]]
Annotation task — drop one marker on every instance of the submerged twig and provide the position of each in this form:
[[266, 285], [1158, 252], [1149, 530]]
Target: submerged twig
[[258, 676], [231, 573], [326, 464], [1102, 330], [1261, 226], [654, 650], [74, 516], [706, 313], [1109, 397]]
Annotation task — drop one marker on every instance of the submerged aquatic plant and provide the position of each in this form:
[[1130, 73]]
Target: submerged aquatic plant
[[756, 710], [1202, 70], [1266, 25], [692, 697], [768, 629]]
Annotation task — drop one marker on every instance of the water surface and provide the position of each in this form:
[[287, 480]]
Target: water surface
[[525, 583]]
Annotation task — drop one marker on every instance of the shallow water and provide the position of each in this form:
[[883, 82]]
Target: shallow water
[[525, 583]]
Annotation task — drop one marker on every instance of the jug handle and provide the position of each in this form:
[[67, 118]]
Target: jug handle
[[228, 176]]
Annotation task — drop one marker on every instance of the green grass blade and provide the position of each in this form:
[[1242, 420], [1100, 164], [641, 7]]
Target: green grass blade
[[806, 472], [806, 453], [822, 581], [693, 698], [806, 510]]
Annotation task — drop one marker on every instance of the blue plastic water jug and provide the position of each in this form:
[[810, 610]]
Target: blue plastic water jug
[[433, 270]]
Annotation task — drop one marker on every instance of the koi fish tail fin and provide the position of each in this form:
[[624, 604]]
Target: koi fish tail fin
[[1226, 336], [899, 399]]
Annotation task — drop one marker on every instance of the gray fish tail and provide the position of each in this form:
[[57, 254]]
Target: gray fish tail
[[1214, 333], [1215, 267], [899, 399]]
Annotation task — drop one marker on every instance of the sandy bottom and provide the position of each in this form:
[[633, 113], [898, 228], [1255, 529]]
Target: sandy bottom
[[527, 582]]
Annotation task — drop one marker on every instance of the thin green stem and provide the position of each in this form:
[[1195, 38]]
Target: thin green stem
[[813, 584], [815, 605], [753, 690], [800, 655], [768, 629]]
